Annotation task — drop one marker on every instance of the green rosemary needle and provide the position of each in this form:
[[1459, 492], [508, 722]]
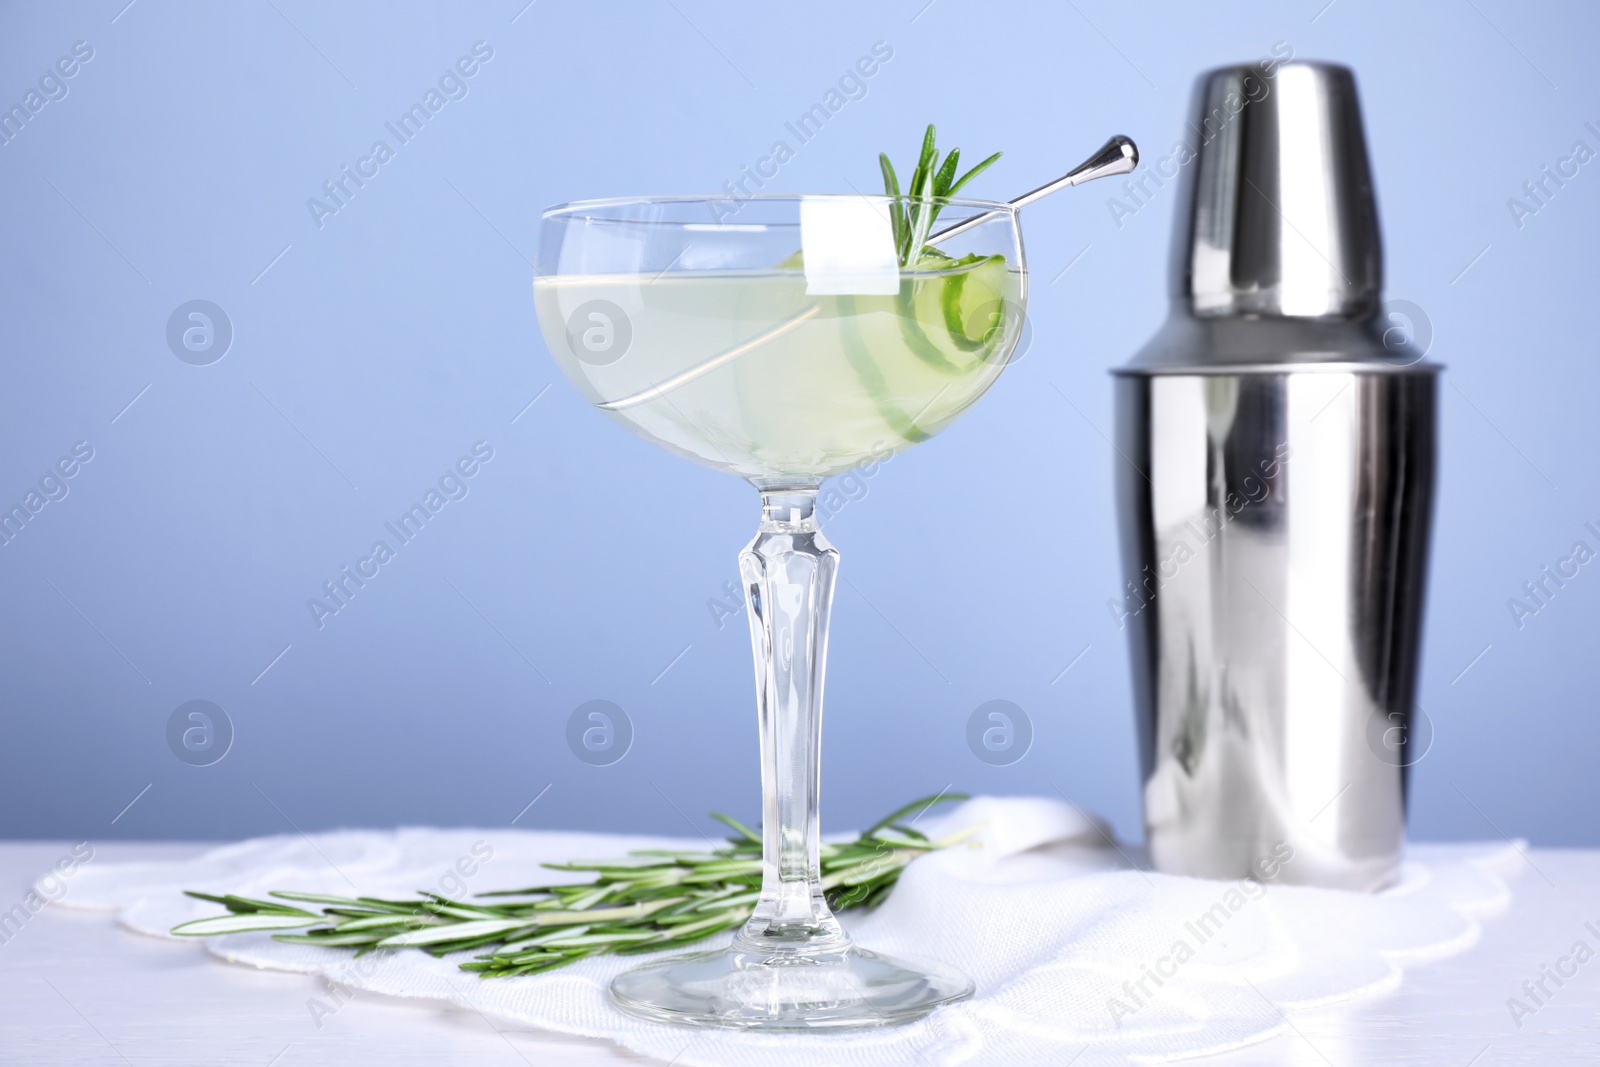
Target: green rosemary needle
[[912, 221], [651, 900]]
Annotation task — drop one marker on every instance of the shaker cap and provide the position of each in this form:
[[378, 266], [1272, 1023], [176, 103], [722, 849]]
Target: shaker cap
[[1280, 217], [1276, 258]]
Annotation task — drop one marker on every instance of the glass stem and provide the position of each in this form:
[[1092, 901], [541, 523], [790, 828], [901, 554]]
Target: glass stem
[[788, 571]]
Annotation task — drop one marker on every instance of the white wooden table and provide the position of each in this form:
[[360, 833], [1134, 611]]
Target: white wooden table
[[77, 989]]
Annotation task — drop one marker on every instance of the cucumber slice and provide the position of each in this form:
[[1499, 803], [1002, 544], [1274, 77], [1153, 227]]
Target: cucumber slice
[[974, 306], [952, 312], [865, 364]]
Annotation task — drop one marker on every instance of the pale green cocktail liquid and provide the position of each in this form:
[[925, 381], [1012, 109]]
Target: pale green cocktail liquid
[[746, 372]]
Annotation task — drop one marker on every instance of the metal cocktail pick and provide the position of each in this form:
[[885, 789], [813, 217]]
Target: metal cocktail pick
[[1117, 156]]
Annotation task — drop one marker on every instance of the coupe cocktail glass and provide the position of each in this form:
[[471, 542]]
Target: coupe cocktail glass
[[784, 344]]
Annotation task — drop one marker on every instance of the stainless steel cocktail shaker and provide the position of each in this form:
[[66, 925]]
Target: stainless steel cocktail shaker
[[1275, 494]]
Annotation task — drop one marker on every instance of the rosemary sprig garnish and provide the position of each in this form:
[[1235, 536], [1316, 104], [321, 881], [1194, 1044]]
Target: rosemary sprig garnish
[[652, 900], [930, 181]]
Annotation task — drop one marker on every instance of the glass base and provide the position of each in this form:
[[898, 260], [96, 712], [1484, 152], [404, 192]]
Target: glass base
[[740, 989]]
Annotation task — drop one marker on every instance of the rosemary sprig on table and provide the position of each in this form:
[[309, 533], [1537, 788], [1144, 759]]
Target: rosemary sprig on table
[[930, 181], [652, 900]]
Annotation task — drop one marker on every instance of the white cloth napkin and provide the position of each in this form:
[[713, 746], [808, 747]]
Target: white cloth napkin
[[1075, 952]]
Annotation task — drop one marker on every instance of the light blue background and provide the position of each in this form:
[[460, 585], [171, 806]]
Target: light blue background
[[381, 346]]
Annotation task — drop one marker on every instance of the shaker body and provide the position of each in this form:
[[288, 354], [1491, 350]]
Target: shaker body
[[1275, 529]]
